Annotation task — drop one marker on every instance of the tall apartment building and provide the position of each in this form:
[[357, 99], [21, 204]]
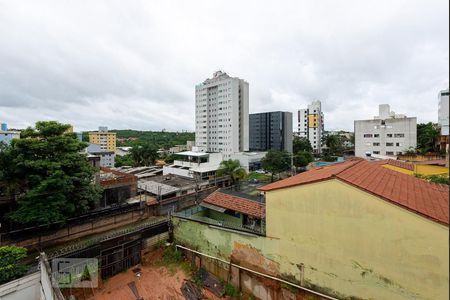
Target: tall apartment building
[[221, 115], [104, 138], [271, 130], [443, 112], [311, 125], [443, 122], [388, 134]]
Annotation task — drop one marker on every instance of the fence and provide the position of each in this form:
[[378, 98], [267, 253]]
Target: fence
[[39, 237], [192, 215]]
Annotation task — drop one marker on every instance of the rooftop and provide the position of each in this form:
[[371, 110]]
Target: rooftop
[[427, 199], [192, 153], [236, 202]]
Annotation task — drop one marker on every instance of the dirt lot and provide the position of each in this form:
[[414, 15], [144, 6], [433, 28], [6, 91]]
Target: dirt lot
[[157, 281]]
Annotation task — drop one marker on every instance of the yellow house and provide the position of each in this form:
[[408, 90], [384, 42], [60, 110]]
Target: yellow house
[[104, 138], [353, 230], [362, 230]]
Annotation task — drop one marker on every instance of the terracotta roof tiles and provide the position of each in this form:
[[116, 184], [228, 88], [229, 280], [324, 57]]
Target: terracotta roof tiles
[[236, 203], [417, 195]]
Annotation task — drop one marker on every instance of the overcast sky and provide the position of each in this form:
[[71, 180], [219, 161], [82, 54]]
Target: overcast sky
[[134, 64]]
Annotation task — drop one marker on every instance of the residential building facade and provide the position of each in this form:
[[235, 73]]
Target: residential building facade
[[221, 114], [443, 112], [311, 125], [194, 164], [107, 158], [387, 134], [6, 136], [271, 130], [104, 138]]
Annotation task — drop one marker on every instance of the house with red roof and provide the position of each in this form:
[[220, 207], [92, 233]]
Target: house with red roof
[[355, 229]]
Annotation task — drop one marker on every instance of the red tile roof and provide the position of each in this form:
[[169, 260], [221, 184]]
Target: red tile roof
[[401, 164], [313, 175], [417, 195], [236, 203], [439, 162]]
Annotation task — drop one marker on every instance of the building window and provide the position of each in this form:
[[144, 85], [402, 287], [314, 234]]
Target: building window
[[376, 135], [389, 144], [398, 144], [389, 135], [368, 135], [376, 152], [389, 153], [376, 144], [399, 135]]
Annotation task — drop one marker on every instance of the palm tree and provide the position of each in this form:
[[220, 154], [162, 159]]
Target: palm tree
[[233, 169]]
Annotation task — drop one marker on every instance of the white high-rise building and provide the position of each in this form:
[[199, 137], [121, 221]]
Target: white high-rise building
[[221, 115], [443, 112], [311, 125], [388, 134]]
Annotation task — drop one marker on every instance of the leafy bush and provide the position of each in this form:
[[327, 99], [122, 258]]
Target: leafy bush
[[171, 255], [231, 291], [9, 266], [441, 179]]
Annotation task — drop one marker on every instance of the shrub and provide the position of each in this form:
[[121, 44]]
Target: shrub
[[9, 263]]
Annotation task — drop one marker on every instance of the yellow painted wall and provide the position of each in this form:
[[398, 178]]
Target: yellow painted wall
[[94, 137], [311, 120], [358, 244], [351, 243], [420, 169], [398, 169]]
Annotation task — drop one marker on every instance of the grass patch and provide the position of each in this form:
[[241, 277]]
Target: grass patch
[[260, 177], [173, 260]]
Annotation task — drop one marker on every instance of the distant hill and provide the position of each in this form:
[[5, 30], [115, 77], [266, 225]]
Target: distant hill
[[161, 139]]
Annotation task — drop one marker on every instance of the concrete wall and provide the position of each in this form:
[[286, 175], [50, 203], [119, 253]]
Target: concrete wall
[[351, 244], [357, 244], [27, 287]]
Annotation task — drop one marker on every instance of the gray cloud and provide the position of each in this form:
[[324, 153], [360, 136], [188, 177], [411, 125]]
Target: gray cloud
[[135, 64]]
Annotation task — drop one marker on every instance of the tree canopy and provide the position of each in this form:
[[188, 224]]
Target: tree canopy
[[276, 161], [334, 143], [144, 154], [302, 158], [427, 136], [233, 169], [301, 144], [50, 177]]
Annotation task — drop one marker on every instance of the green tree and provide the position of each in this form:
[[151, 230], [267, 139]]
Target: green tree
[[301, 144], [9, 263], [303, 158], [55, 177], [276, 161], [233, 169], [144, 154], [334, 143], [126, 160], [427, 136]]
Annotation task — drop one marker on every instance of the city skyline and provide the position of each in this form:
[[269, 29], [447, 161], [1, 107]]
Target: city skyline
[[142, 74]]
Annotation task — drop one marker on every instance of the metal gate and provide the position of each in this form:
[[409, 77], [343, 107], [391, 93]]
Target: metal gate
[[120, 258]]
